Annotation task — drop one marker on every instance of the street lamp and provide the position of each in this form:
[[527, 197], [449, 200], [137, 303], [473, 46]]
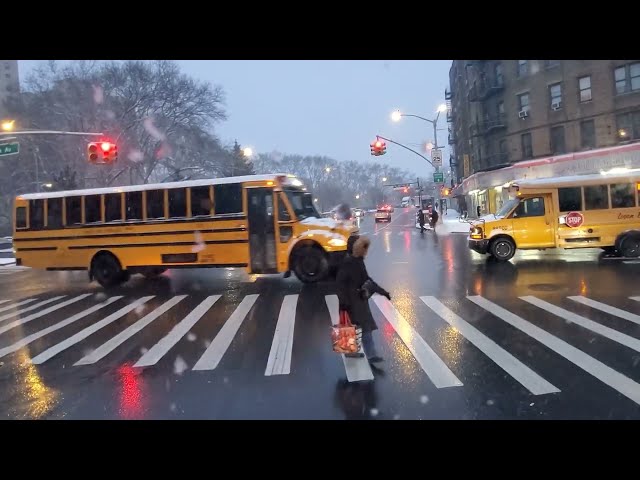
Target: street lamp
[[8, 125], [47, 185], [384, 179], [247, 151], [397, 115], [328, 169], [357, 197]]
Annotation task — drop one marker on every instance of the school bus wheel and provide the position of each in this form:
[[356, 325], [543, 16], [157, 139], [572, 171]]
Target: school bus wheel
[[628, 244], [502, 248], [107, 271], [310, 263]]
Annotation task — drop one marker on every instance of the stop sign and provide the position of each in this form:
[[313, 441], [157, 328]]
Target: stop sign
[[574, 219]]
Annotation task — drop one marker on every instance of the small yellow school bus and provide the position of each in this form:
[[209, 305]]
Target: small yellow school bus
[[265, 223], [583, 211]]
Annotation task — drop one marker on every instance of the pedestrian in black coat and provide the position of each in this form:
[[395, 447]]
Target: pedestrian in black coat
[[355, 287]]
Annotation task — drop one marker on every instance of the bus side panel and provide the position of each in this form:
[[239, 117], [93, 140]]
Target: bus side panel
[[600, 228]]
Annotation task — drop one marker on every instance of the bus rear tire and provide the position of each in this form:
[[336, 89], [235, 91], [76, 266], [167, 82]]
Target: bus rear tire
[[107, 271], [629, 245], [503, 249], [310, 264]]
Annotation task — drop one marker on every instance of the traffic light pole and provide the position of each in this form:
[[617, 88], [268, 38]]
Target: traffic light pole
[[50, 132], [406, 148]]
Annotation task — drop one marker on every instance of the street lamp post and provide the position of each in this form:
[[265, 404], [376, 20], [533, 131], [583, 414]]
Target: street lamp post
[[397, 115]]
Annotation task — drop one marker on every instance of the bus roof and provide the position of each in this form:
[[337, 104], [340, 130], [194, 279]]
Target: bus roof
[[155, 186], [614, 176]]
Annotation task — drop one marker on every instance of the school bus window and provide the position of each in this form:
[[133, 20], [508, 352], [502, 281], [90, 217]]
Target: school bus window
[[92, 209], [200, 201], [570, 199], [133, 205], [54, 213], [21, 217], [113, 207], [178, 203], [596, 197], [36, 214], [227, 198], [531, 207], [622, 195], [73, 206], [155, 204], [283, 213]]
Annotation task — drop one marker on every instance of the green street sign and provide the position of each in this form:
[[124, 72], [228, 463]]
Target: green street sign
[[9, 148], [438, 177]]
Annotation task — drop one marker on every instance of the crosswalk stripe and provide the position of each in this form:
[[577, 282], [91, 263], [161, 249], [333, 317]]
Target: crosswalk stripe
[[159, 350], [82, 334], [514, 367], [279, 362], [16, 305], [357, 369], [607, 332], [430, 362], [41, 333], [220, 344], [4, 301], [110, 345], [637, 299], [599, 370], [22, 321], [28, 309], [632, 317]]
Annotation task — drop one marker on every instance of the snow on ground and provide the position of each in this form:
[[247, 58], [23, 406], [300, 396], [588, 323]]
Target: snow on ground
[[451, 223]]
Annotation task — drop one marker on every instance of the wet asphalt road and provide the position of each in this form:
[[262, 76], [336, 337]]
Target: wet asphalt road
[[462, 338]]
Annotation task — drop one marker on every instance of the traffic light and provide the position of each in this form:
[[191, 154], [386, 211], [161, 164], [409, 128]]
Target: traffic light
[[378, 148], [102, 152], [445, 191]]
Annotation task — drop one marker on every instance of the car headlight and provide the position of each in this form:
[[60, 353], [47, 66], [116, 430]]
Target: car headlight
[[337, 242], [476, 232]]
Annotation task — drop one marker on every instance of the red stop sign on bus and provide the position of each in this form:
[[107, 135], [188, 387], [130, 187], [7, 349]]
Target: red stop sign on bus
[[574, 219]]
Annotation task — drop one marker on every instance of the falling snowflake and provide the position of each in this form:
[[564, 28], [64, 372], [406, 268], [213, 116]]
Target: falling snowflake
[[490, 402], [179, 366], [207, 343], [173, 407], [424, 399], [396, 416], [140, 309], [152, 129], [199, 246], [167, 385], [87, 351], [100, 296], [98, 94], [110, 114], [374, 412], [225, 379], [143, 350], [191, 337], [196, 286], [135, 156]]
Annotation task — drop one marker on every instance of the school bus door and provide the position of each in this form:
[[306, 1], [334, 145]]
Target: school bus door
[[262, 234], [532, 223]]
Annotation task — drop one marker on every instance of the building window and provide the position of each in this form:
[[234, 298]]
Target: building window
[[527, 147], [588, 134], [627, 78], [523, 102], [551, 63], [557, 140], [498, 74], [523, 67], [584, 85], [628, 126], [555, 92]]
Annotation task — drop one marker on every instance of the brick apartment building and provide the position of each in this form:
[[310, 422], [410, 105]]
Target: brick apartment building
[[508, 113]]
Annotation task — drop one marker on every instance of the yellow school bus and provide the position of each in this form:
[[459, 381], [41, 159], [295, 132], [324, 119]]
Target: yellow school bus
[[265, 223], [583, 211]]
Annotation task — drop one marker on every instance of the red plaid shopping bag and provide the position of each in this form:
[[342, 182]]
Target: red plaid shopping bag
[[344, 336]]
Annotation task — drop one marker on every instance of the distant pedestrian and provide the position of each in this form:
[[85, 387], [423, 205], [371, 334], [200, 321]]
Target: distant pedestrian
[[421, 220], [355, 287]]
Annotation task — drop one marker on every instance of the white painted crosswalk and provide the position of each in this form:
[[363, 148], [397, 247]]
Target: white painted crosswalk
[[33, 321]]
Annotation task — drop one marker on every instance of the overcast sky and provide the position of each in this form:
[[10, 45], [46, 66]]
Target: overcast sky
[[333, 108]]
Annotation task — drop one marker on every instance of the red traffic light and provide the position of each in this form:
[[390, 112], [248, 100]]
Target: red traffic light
[[378, 144], [109, 152]]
